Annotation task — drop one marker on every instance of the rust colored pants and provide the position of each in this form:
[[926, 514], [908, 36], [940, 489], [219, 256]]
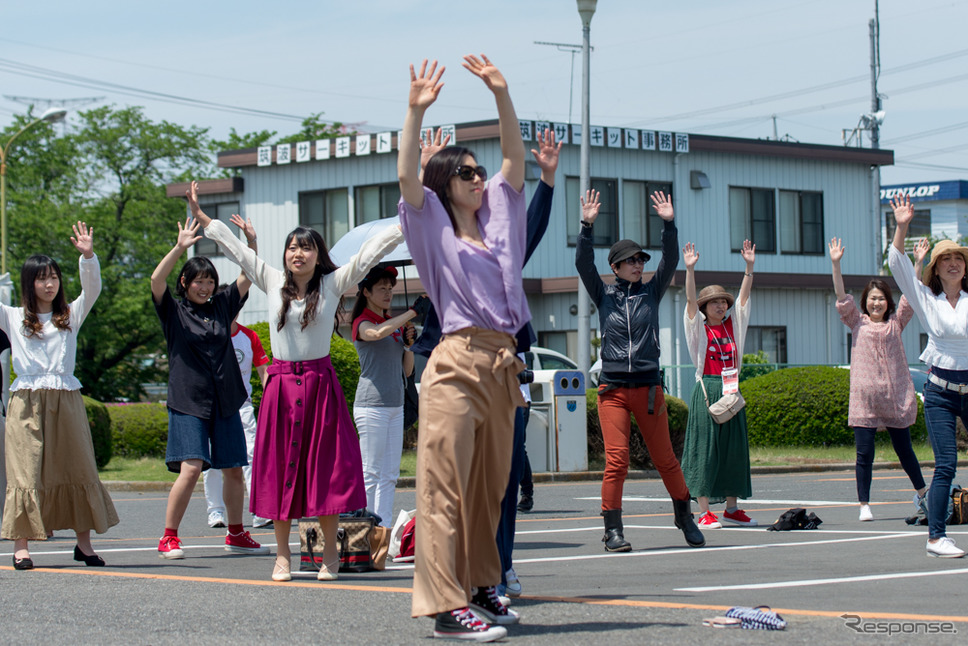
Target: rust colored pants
[[615, 408], [468, 396]]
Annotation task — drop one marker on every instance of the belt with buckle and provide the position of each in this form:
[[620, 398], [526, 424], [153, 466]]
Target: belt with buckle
[[961, 389]]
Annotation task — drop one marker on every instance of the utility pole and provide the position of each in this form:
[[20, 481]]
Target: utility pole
[[875, 34], [586, 9]]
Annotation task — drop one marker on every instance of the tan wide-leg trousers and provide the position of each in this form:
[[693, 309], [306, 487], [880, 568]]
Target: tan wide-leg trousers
[[467, 399]]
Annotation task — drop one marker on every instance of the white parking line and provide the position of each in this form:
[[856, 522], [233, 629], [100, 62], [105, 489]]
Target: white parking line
[[803, 582], [749, 501]]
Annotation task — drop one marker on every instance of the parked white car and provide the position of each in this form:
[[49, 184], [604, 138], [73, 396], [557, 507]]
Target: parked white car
[[537, 359]]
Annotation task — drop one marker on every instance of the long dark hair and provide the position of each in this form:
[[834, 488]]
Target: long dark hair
[[877, 283], [934, 283], [360, 303], [36, 267], [195, 267], [305, 237], [440, 169]]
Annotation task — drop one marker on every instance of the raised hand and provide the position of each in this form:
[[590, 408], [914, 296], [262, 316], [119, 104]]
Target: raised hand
[[83, 239], [245, 225], [921, 250], [484, 69], [432, 146], [192, 195], [903, 211], [590, 206], [836, 249], [547, 154], [425, 87], [690, 256], [188, 234], [663, 206], [748, 253]]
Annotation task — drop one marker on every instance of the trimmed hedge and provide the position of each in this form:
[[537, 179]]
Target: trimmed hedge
[[805, 406], [139, 430], [100, 423], [678, 412]]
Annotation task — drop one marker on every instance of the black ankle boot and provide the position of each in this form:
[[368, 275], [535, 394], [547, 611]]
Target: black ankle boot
[[685, 522], [613, 538]]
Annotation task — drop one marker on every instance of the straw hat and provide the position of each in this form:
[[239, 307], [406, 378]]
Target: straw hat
[[940, 249], [712, 292]]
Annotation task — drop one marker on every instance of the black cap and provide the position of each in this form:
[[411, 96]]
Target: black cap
[[625, 249]]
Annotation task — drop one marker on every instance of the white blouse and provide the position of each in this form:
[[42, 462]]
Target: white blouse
[[292, 343], [46, 361], [947, 326]]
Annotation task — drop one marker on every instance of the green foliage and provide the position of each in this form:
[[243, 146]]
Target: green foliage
[[262, 329], [805, 407], [139, 430], [346, 363], [100, 423], [235, 141], [755, 365], [677, 410]]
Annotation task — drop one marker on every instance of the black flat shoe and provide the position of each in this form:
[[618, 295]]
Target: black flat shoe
[[23, 564], [93, 560]]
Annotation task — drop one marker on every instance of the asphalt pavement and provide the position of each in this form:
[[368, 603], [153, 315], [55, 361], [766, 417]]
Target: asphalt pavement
[[847, 582]]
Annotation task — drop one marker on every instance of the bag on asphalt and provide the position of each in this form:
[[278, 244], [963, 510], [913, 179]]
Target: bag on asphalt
[[796, 518], [362, 544], [758, 618], [396, 534], [959, 506]]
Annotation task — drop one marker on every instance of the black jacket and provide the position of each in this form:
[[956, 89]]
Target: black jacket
[[628, 313]]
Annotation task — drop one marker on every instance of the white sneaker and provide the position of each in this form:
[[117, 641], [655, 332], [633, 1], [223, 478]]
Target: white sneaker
[[216, 519], [865, 513], [944, 548], [513, 588], [258, 522]]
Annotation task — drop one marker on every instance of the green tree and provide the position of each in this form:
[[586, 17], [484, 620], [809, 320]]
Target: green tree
[[235, 141], [111, 172]]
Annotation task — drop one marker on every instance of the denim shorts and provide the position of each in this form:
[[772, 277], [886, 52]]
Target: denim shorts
[[219, 443]]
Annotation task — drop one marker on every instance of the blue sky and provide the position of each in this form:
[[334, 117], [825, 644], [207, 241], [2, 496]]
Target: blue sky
[[709, 67]]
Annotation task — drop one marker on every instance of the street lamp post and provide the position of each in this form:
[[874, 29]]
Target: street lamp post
[[586, 9], [51, 115]]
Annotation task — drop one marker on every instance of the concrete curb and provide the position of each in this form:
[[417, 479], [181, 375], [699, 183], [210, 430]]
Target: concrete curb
[[409, 482]]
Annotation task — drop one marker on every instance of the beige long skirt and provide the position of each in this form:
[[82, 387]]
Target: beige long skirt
[[52, 480]]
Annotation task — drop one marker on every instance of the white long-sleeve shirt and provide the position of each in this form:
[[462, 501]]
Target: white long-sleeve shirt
[[292, 343], [947, 326], [46, 361]]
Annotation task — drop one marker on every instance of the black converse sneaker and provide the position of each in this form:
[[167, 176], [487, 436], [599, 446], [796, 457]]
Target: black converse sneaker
[[464, 624], [485, 602]]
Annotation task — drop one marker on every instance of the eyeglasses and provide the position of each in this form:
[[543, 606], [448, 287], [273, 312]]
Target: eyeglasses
[[466, 173], [635, 260]]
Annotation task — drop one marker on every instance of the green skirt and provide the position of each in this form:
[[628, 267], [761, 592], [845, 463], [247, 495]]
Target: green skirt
[[715, 457]]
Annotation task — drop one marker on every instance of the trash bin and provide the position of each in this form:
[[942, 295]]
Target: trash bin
[[557, 434]]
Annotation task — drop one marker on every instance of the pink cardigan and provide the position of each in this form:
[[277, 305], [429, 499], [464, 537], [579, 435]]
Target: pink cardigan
[[881, 391]]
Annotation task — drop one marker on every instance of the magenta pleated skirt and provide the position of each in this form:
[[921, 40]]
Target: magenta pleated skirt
[[306, 460]]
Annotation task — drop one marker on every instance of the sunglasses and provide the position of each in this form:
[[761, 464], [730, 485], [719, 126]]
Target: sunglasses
[[467, 173], [635, 260]]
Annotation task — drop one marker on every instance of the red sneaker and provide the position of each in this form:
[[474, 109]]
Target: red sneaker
[[709, 521], [169, 547], [739, 517], [242, 543]]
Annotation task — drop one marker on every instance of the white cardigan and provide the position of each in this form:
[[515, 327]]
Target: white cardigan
[[697, 340], [293, 343]]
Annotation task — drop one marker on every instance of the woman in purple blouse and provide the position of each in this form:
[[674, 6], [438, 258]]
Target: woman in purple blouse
[[467, 237]]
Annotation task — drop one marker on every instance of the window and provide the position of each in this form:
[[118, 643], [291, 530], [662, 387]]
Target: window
[[327, 212], [752, 216], [801, 222], [640, 222], [223, 212], [376, 202], [920, 227], [605, 233], [771, 340]]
